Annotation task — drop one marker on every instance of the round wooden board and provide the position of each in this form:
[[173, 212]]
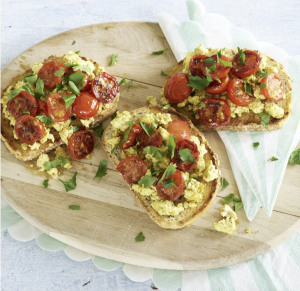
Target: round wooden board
[[110, 215]]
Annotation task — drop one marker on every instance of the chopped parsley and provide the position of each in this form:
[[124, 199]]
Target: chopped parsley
[[148, 129], [225, 63], [114, 115], [237, 202], [75, 128], [171, 169], [30, 79], [74, 41], [82, 68], [263, 74], [201, 105], [147, 181], [71, 184], [128, 85], [219, 54], [102, 169], [74, 207], [73, 88], [262, 86], [69, 100], [159, 52], [130, 123], [186, 156], [256, 145], [154, 152], [77, 52], [44, 119], [273, 159], [99, 129], [163, 73], [295, 157], [26, 112], [46, 183], [224, 183], [208, 76], [209, 61], [171, 147], [198, 83], [59, 73], [169, 183], [265, 118], [39, 88], [242, 56], [13, 94], [61, 161], [166, 106], [248, 88], [113, 60], [140, 237]]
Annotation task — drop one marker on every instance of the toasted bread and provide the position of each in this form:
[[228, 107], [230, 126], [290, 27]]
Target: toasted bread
[[189, 215], [14, 145], [248, 120]]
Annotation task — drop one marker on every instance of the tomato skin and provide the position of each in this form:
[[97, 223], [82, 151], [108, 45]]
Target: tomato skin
[[215, 113], [185, 144], [132, 137], [81, 144], [176, 90], [29, 130], [145, 140], [86, 84], [179, 129], [42, 106], [85, 106], [46, 73], [56, 106], [132, 169], [275, 89], [196, 64], [236, 93], [105, 87], [217, 88], [23, 101], [171, 193], [249, 67], [220, 71]]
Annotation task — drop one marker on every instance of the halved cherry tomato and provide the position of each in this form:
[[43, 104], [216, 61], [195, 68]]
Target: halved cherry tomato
[[42, 106], [81, 144], [86, 83], [177, 90], [250, 65], [274, 87], [29, 130], [105, 87], [185, 144], [23, 101], [196, 63], [179, 129], [132, 137], [132, 169], [215, 113], [236, 93], [217, 88], [145, 140], [46, 73], [56, 106], [220, 71], [85, 106], [171, 193]]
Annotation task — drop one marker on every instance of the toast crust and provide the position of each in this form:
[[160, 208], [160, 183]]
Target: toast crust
[[189, 215]]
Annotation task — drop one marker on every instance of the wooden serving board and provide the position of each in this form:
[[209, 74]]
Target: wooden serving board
[[111, 217]]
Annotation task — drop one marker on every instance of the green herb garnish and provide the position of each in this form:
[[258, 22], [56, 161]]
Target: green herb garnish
[[74, 207], [59, 73], [237, 202], [39, 88], [242, 56], [69, 100], [186, 156], [166, 106], [128, 85], [154, 152], [77, 52], [147, 181], [273, 159], [265, 118], [61, 161], [256, 145], [30, 79], [130, 123], [209, 61], [224, 183], [148, 129], [169, 183], [248, 88], [159, 52], [113, 60], [74, 41], [163, 73], [45, 119], [295, 157], [99, 129], [171, 147], [140, 237], [71, 184], [198, 83], [102, 169], [26, 112], [114, 115], [75, 128], [225, 63], [171, 169], [201, 105], [46, 183], [262, 86]]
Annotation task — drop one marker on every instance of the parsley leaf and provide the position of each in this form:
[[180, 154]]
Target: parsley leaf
[[65, 80], [59, 73], [209, 61], [263, 74], [147, 181], [295, 157], [154, 152], [136, 145], [169, 183], [248, 88], [39, 88], [27, 88], [230, 197], [238, 205], [74, 41], [219, 54], [155, 172], [102, 169], [13, 94], [262, 86], [218, 80], [159, 52], [30, 79], [198, 83], [75, 128], [156, 121], [82, 68], [74, 207], [77, 52], [140, 237], [208, 76], [61, 161], [186, 156], [242, 56], [114, 115], [213, 67], [256, 145], [128, 85], [166, 106], [73, 88], [44, 119], [163, 73], [113, 60], [99, 129], [224, 183], [226, 64], [273, 159], [201, 105], [148, 129], [78, 79], [46, 183], [196, 178], [26, 112], [171, 147], [130, 123], [265, 118], [71, 184], [171, 169], [69, 100]]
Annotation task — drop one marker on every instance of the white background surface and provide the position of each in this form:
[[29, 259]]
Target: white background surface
[[24, 23]]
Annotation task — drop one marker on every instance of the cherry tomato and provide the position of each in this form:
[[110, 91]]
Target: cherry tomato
[[236, 93], [220, 71], [250, 65], [105, 87], [81, 144], [179, 129], [23, 101], [56, 106], [42, 106], [86, 83], [145, 140], [215, 113], [177, 90], [274, 87], [85, 106], [185, 144], [195, 65], [46, 73], [217, 88], [132, 137], [29, 130], [171, 193], [132, 169]]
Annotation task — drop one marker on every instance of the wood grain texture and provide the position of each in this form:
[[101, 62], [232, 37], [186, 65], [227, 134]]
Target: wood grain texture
[[111, 217]]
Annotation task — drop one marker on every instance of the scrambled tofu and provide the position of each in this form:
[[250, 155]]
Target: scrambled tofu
[[36, 67], [152, 100], [274, 110], [59, 151], [40, 163], [227, 224], [86, 122], [167, 207], [210, 172]]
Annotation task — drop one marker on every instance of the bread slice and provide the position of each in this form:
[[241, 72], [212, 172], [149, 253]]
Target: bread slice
[[14, 145], [247, 121], [189, 215]]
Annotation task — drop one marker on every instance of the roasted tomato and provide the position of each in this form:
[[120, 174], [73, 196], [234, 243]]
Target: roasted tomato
[[220, 71], [195, 65], [46, 73], [86, 83], [105, 87], [42, 106], [250, 65], [215, 113], [274, 89], [179, 129], [132, 137], [236, 93], [85, 106], [217, 88], [81, 144], [56, 106], [132, 169], [145, 140], [29, 130], [171, 193], [185, 144], [177, 89], [22, 102]]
